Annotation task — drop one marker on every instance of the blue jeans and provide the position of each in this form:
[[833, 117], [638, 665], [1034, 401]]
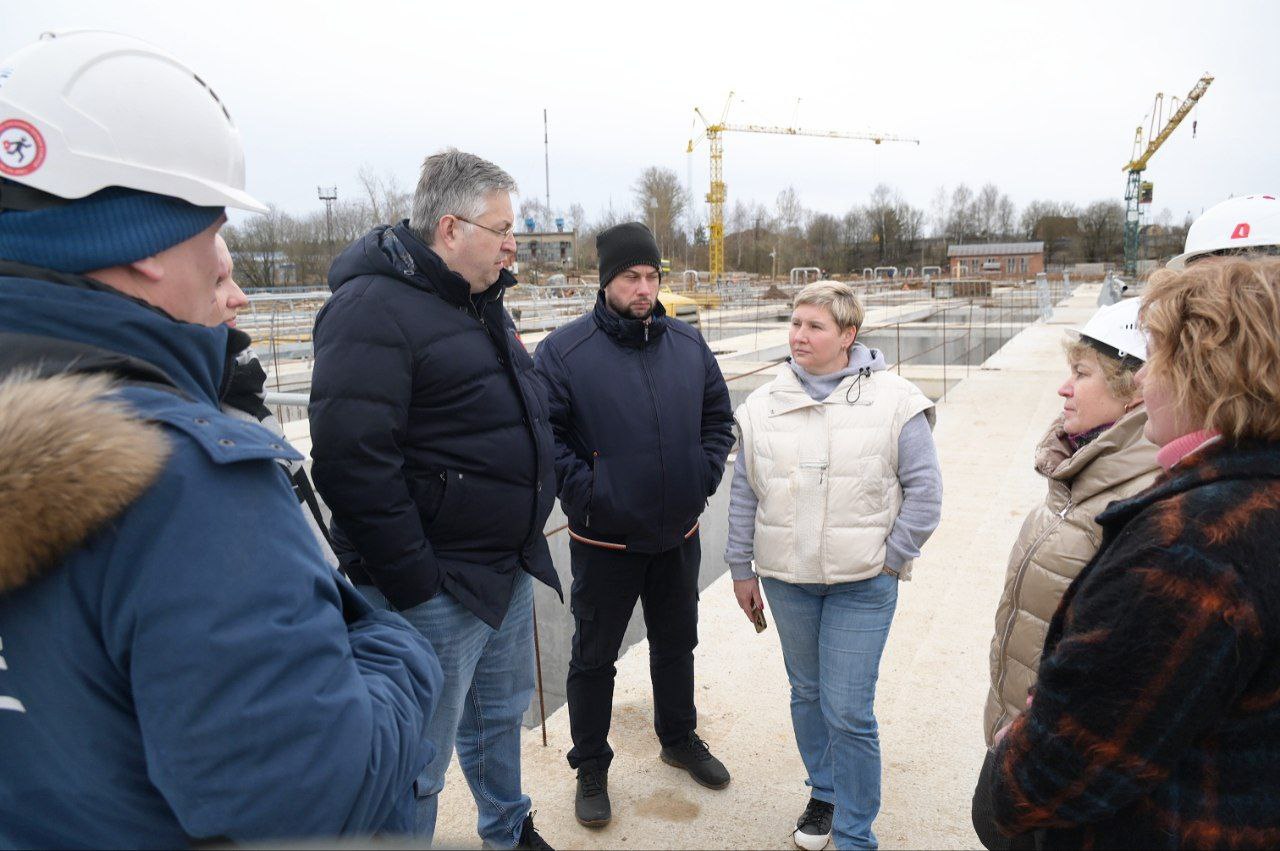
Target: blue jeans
[[488, 685], [832, 637]]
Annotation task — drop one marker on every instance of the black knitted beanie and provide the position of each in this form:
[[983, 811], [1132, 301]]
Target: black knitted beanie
[[623, 246]]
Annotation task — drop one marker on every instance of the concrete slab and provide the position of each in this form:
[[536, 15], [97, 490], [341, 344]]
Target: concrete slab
[[933, 677]]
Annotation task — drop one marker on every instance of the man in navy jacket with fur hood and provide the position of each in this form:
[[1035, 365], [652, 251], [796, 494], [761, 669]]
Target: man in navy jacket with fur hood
[[177, 661], [643, 425]]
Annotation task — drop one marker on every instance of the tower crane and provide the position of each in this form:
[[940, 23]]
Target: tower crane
[[716, 196], [1136, 191]]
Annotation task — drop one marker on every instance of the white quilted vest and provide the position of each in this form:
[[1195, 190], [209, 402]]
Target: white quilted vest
[[825, 474]]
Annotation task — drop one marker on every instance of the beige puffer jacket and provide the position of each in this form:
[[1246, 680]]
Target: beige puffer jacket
[[1057, 540]]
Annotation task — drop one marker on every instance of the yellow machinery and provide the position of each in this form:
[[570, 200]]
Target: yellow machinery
[[680, 307], [1138, 192], [716, 196]]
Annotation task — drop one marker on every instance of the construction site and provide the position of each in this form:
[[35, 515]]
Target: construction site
[[971, 304]]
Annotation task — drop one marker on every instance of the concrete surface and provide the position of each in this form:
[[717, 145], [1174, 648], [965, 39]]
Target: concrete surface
[[933, 677]]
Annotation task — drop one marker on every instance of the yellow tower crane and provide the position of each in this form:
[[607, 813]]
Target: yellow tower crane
[[716, 196], [1138, 192]]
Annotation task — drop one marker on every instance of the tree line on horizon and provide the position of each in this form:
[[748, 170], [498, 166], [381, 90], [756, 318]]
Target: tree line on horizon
[[886, 230]]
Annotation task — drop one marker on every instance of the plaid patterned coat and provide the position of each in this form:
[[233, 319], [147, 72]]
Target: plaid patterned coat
[[1156, 718]]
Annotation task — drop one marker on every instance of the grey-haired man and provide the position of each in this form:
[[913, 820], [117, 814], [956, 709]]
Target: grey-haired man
[[432, 447]]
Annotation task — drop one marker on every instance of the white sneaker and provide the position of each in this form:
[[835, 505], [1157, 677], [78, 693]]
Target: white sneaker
[[813, 829]]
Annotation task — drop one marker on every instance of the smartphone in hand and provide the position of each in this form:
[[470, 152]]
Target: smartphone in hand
[[757, 618]]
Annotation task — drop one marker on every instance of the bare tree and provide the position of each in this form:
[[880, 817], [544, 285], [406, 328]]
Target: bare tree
[[1102, 231], [883, 218], [939, 212], [738, 222], [257, 247], [577, 217], [1029, 221], [388, 203], [961, 220], [533, 209], [1006, 217], [985, 209], [1054, 223], [855, 231], [662, 201], [822, 236], [910, 229], [790, 211]]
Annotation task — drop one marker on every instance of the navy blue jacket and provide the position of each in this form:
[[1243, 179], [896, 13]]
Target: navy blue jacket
[[643, 425], [429, 430], [191, 669]]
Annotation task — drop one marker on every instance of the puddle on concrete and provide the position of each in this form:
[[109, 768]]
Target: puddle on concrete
[[668, 805]]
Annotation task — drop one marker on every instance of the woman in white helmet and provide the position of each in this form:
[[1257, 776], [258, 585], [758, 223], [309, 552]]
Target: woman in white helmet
[[1093, 454]]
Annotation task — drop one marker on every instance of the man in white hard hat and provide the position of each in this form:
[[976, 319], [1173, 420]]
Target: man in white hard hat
[[1249, 224], [177, 661]]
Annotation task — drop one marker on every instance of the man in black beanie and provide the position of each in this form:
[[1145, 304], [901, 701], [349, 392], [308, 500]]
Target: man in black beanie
[[643, 424]]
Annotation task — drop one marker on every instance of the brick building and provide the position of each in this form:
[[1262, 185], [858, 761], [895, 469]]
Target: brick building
[[996, 259]]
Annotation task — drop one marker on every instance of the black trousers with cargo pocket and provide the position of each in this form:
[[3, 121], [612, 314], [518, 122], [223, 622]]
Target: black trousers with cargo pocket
[[606, 585]]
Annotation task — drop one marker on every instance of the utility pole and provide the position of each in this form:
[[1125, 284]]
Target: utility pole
[[328, 194], [546, 165]]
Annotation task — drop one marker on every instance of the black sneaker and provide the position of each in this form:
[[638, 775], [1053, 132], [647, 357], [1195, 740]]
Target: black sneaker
[[591, 804], [529, 838], [694, 757], [813, 829]]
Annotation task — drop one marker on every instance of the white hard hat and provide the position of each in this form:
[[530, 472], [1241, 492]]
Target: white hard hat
[[84, 110], [1250, 221], [1114, 331]]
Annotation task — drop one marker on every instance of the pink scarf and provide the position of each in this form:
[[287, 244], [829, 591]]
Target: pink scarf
[[1175, 450]]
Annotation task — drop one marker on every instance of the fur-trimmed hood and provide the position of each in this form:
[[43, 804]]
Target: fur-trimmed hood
[[72, 458], [72, 454]]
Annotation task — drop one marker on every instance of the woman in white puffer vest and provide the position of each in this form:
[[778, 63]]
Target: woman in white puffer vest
[[835, 488]]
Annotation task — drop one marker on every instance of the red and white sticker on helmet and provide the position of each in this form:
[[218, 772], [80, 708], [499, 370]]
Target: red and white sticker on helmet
[[21, 148], [1241, 231]]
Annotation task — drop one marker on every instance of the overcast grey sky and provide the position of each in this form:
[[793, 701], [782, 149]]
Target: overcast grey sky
[[1041, 99]]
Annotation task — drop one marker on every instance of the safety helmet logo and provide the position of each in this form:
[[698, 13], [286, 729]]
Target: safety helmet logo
[[1241, 231], [22, 148]]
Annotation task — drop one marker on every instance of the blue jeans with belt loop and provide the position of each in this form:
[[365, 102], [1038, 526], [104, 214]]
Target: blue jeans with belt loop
[[488, 685], [832, 638]]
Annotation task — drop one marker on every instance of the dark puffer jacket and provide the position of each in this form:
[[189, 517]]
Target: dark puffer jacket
[[429, 430], [643, 425]]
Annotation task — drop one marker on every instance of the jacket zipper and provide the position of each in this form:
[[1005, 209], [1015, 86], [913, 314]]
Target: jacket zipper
[[653, 400], [822, 480], [478, 313], [591, 494], [1017, 596]]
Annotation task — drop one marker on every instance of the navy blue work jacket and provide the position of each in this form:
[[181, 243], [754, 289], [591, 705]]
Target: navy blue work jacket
[[193, 669], [643, 425]]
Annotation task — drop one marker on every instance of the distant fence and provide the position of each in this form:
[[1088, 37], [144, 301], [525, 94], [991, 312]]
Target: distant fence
[[970, 329]]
